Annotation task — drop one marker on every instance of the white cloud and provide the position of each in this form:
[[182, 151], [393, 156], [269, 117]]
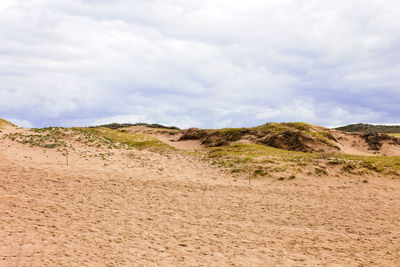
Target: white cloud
[[20, 123], [200, 63]]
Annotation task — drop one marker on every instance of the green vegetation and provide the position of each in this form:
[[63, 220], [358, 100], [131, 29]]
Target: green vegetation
[[46, 138], [301, 126], [247, 159], [271, 127], [293, 137], [275, 128], [94, 139], [320, 171], [115, 126], [395, 134], [283, 127], [272, 130], [231, 130], [55, 137], [139, 141], [322, 136], [380, 164], [369, 128], [51, 130], [248, 152], [264, 160]]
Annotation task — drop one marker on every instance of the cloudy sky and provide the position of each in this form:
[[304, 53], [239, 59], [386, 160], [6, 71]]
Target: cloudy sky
[[209, 63]]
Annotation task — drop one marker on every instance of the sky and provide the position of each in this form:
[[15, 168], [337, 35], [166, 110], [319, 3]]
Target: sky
[[206, 64]]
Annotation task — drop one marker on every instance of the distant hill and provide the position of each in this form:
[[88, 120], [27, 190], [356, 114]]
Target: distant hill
[[369, 128], [123, 125]]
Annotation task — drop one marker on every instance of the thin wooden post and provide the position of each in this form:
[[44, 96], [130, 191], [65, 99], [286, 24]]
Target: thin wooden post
[[249, 176]]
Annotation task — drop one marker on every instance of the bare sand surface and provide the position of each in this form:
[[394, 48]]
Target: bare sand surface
[[138, 208], [349, 143]]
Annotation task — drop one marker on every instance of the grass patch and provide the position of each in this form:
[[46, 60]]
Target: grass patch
[[320, 171], [375, 163], [319, 133], [278, 128], [139, 141], [250, 152], [301, 126], [45, 138], [53, 130], [275, 128], [260, 171], [264, 159], [322, 136], [261, 159]]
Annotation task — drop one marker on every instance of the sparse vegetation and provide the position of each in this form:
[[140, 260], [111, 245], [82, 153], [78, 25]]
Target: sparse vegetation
[[369, 128], [267, 160], [255, 160], [139, 141], [320, 171], [45, 138], [260, 171], [297, 136], [115, 126], [263, 159], [291, 177]]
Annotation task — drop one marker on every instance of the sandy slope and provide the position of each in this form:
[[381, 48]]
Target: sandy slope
[[149, 209]]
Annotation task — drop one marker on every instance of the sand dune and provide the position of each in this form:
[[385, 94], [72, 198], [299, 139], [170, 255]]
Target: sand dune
[[124, 207]]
